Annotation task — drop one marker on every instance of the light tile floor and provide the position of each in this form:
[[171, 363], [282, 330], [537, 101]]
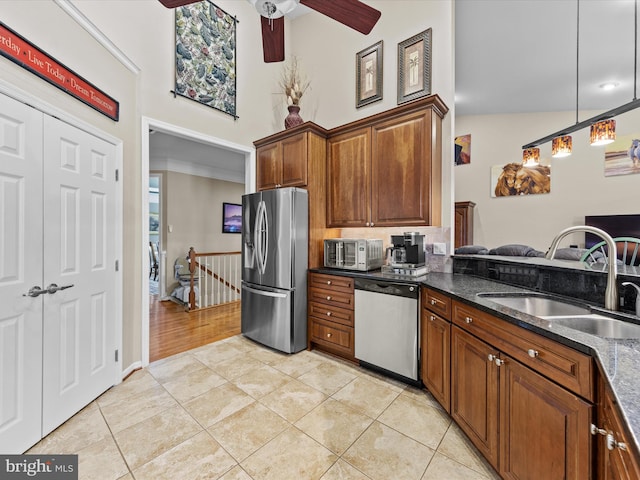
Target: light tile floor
[[235, 410]]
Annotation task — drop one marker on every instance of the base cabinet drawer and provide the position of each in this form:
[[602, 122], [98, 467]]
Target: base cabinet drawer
[[332, 335], [329, 313], [335, 298]]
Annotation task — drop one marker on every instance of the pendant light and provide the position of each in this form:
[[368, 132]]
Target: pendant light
[[530, 157], [561, 146], [603, 126], [603, 132]]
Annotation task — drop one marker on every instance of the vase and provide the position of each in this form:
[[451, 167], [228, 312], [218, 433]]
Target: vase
[[293, 119]]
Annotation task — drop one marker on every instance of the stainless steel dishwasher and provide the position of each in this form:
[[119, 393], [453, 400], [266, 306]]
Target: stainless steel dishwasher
[[386, 326]]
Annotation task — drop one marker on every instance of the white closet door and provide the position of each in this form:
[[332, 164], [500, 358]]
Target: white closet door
[[79, 250], [20, 269]]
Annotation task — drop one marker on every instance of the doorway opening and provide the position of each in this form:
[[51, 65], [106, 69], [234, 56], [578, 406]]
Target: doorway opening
[[246, 156]]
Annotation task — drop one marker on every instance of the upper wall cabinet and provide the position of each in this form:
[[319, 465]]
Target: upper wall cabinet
[[282, 163], [297, 158], [386, 170]]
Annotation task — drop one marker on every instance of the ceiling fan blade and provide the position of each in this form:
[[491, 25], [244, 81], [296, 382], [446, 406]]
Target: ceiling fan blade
[[352, 13], [272, 39], [176, 3]]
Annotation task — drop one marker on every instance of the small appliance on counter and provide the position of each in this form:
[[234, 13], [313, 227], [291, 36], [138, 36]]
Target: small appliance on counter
[[353, 253], [406, 256]]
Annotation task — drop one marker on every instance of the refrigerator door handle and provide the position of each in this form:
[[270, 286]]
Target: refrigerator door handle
[[258, 237], [266, 293], [264, 237]]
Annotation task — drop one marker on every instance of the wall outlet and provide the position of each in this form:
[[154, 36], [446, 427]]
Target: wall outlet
[[439, 248]]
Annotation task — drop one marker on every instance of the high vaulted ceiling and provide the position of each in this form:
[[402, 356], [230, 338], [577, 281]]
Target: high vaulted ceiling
[[516, 56]]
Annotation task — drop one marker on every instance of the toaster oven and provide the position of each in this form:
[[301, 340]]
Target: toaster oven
[[353, 253]]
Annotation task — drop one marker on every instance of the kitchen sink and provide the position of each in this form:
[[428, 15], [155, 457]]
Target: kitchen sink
[[598, 325], [536, 304]]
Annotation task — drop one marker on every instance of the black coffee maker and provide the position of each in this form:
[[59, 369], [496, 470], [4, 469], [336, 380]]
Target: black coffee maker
[[408, 249]]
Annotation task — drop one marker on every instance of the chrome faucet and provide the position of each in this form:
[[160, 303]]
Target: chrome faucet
[[611, 292]]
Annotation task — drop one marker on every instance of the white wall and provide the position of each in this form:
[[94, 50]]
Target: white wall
[[144, 30], [578, 184]]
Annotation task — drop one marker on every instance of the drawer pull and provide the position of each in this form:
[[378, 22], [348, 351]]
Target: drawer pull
[[491, 357], [532, 353], [328, 297], [499, 362], [433, 302], [328, 282], [328, 314], [468, 319], [329, 335], [432, 318]]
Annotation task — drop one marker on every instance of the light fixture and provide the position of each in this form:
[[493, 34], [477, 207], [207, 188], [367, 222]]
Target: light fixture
[[603, 127], [561, 146], [530, 157], [272, 9], [603, 132], [609, 85]]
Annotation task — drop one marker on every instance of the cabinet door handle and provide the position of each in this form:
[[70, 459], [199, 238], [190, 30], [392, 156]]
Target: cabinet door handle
[[499, 362], [432, 318], [328, 297], [612, 443], [597, 431], [329, 335], [328, 282], [491, 357], [532, 353], [328, 314], [468, 319]]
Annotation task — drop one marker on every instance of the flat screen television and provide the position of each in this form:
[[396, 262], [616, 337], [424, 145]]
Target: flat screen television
[[614, 225]]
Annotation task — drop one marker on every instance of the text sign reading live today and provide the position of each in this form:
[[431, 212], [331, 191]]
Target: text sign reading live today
[[39, 467], [19, 50]]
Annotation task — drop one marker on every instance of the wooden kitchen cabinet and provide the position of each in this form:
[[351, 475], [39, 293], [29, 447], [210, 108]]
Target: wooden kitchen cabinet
[[386, 170], [297, 158], [616, 458], [283, 163], [331, 314], [526, 425], [474, 392], [435, 342], [349, 178], [463, 222]]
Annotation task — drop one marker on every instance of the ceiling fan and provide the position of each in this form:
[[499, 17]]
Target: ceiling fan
[[352, 13]]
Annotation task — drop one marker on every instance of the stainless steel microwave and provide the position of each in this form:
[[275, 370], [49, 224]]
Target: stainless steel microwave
[[353, 253]]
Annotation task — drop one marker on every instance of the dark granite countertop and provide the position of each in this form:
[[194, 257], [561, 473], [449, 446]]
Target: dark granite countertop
[[619, 360]]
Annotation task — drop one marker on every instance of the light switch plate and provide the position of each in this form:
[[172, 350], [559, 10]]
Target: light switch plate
[[439, 248]]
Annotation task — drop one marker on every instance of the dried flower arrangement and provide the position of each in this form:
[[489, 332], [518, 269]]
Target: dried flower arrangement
[[292, 83]]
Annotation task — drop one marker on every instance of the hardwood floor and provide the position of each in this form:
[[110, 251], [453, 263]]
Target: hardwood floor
[[173, 330]]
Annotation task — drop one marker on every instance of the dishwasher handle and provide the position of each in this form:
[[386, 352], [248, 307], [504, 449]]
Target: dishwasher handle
[[407, 290]]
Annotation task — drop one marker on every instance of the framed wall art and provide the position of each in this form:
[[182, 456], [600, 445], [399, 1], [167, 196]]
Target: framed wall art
[[231, 218], [369, 75], [206, 56], [414, 67]]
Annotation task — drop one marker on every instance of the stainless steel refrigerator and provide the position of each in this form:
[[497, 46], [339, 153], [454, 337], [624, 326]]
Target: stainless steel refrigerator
[[275, 225]]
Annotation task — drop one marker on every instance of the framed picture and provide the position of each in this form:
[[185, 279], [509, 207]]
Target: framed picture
[[414, 67], [369, 75], [231, 218]]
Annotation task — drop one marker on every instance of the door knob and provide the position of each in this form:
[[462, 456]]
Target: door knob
[[53, 288], [34, 292]]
